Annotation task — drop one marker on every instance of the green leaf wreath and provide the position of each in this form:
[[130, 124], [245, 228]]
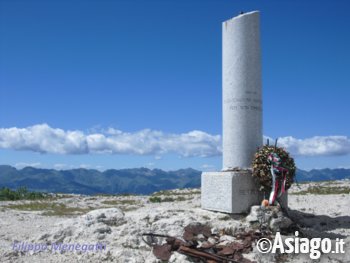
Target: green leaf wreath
[[261, 166]]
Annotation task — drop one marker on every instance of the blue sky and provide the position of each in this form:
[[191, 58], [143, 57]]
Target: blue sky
[[115, 84]]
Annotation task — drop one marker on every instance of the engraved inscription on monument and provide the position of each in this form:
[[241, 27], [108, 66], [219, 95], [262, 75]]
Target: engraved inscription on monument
[[244, 103]]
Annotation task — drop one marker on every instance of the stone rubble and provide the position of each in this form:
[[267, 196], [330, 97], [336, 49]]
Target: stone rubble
[[121, 229]]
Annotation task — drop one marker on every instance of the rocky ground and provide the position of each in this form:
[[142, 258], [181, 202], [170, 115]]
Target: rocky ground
[[109, 228]]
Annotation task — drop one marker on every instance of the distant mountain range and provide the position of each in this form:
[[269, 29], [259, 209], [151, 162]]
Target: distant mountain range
[[88, 181], [322, 174], [133, 181]]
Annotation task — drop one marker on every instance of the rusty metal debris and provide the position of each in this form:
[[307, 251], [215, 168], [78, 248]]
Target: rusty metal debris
[[162, 252], [199, 243], [196, 232]]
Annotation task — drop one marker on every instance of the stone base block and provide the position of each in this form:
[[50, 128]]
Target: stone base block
[[231, 192]]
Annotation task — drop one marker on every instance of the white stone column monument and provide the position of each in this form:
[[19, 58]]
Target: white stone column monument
[[241, 90], [234, 190]]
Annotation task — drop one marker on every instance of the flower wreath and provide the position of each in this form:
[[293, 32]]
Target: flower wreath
[[274, 169]]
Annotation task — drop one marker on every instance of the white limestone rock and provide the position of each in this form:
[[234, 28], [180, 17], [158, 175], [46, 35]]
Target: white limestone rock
[[254, 214], [108, 216], [270, 216]]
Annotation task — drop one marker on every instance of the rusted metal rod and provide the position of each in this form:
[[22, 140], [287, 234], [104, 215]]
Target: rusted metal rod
[[201, 254]]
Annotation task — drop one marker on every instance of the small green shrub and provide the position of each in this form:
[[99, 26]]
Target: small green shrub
[[21, 193], [120, 202], [155, 199]]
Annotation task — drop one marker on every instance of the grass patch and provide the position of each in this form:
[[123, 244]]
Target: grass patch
[[128, 209], [320, 181], [112, 195], [124, 205], [324, 190], [121, 202], [157, 199], [50, 209], [171, 196], [21, 193], [206, 217], [172, 193], [91, 199], [62, 196], [225, 218]]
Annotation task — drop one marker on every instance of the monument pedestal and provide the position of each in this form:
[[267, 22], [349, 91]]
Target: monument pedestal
[[231, 192]]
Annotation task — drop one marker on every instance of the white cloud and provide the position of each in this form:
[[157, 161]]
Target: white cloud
[[318, 145], [44, 139]]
